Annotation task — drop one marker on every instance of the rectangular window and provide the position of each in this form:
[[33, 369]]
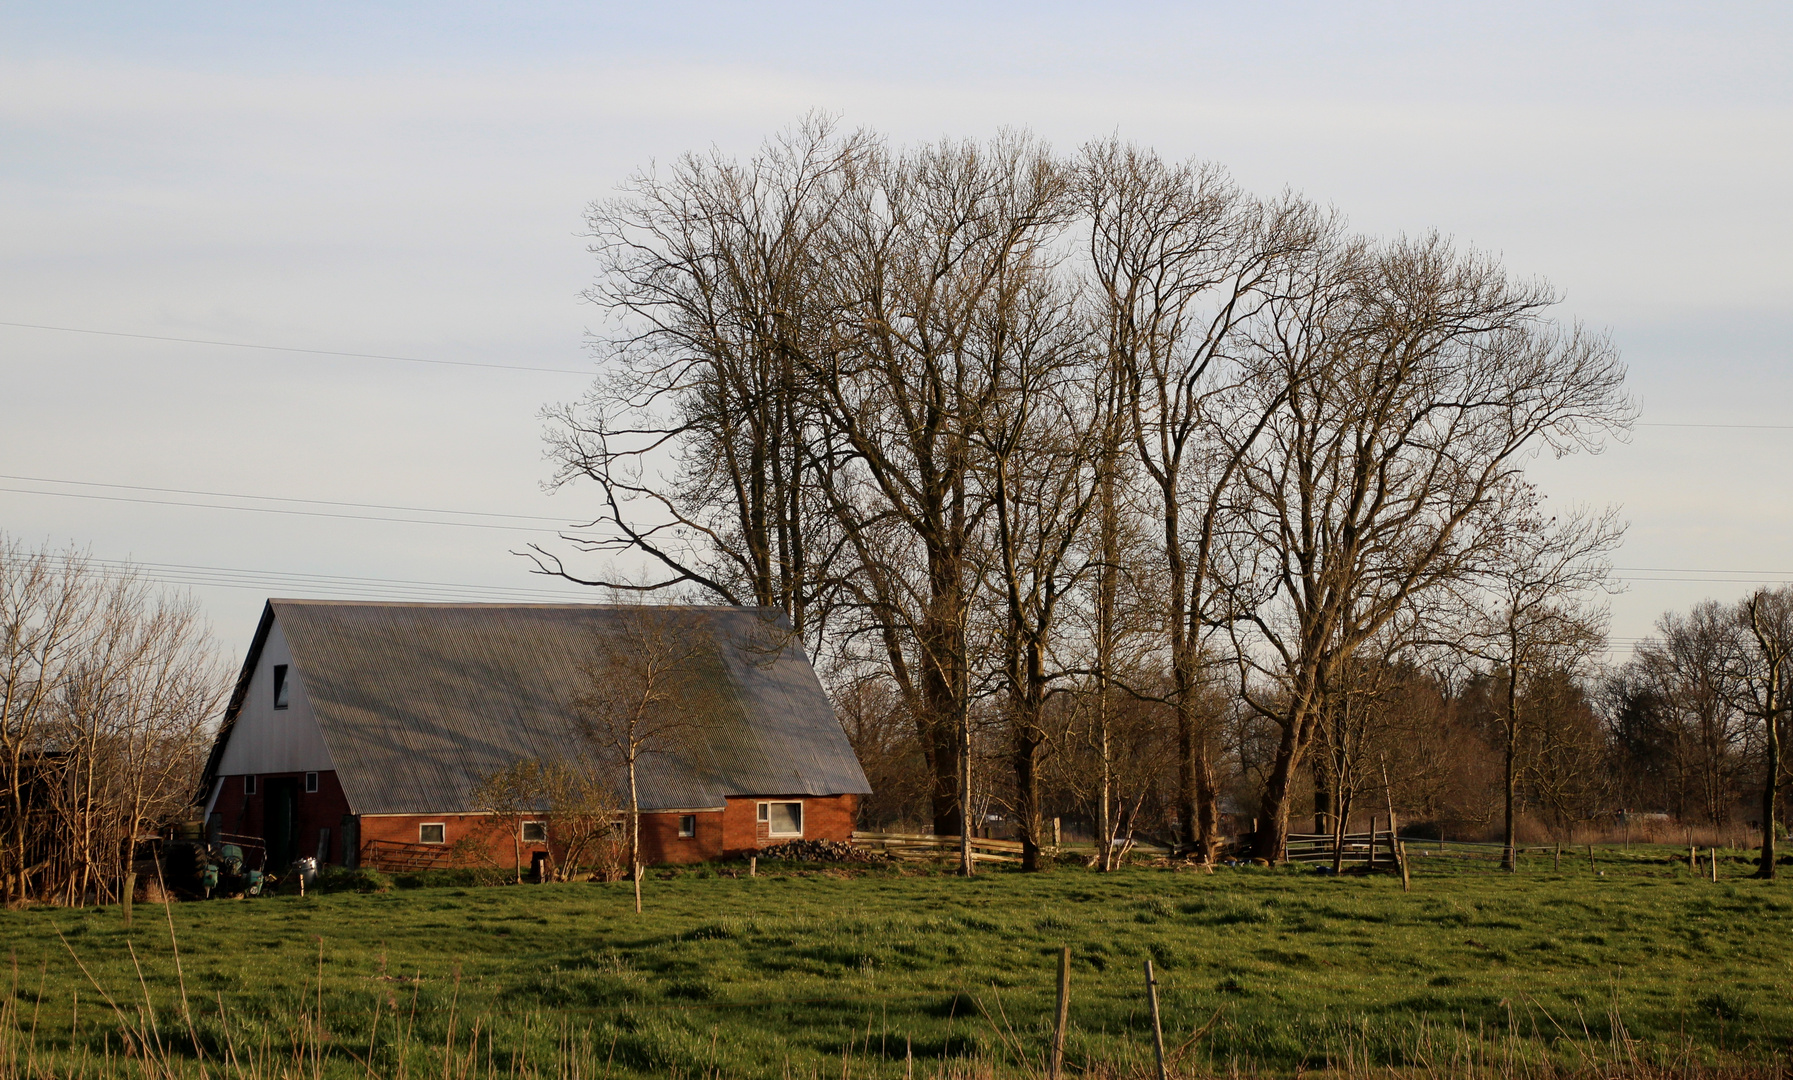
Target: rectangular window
[[535, 832], [430, 834], [782, 818], [248, 785], [687, 826], [280, 686], [311, 783]]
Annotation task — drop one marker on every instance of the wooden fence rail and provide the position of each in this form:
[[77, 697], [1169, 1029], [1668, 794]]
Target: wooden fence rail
[[1372, 849], [925, 845]]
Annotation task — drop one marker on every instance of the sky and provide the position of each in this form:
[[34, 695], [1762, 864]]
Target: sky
[[410, 180]]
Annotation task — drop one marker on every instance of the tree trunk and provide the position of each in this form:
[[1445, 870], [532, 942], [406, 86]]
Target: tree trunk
[[635, 834], [1509, 859], [943, 679], [1272, 835], [1771, 785], [1025, 758]]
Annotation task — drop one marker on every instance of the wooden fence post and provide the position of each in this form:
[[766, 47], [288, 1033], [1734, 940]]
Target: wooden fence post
[[1371, 861], [1592, 866], [1559, 856], [1157, 1024], [1713, 852], [1064, 1014]]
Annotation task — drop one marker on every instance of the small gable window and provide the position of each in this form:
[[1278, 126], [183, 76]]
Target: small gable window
[[248, 785], [535, 832], [687, 826], [281, 687], [430, 834], [311, 783]]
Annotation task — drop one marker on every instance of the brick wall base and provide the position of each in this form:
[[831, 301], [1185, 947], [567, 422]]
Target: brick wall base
[[730, 832]]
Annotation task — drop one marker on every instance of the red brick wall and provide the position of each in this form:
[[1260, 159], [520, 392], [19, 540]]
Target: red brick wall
[[825, 817], [245, 815], [493, 836], [730, 831], [661, 842]]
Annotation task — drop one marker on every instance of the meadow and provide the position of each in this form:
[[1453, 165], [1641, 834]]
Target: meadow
[[908, 971]]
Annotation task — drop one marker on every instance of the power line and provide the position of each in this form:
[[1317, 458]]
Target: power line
[[338, 585], [1761, 580], [1754, 427], [1626, 573], [275, 510], [571, 371], [1691, 570], [277, 498], [295, 349]]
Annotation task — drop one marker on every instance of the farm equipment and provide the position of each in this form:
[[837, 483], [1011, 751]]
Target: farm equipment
[[220, 865]]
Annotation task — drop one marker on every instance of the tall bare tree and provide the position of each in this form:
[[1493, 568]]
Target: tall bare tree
[[1758, 670], [1537, 614], [1180, 258], [1413, 382], [697, 436], [1038, 450], [923, 254]]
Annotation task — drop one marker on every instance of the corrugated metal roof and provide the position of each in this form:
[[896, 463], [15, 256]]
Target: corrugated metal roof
[[416, 702]]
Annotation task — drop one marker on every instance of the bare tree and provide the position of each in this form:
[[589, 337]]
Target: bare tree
[[647, 689], [1673, 710], [507, 797], [584, 818], [1180, 258], [924, 252], [1037, 467], [1537, 616], [1412, 382], [1758, 669], [106, 692], [821, 395], [698, 438]]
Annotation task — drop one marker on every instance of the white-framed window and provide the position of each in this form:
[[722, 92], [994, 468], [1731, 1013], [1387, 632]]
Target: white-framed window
[[281, 686], [535, 832], [248, 785], [311, 783], [433, 833], [782, 818], [687, 826]]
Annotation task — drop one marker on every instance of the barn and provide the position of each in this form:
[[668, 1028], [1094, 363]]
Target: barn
[[357, 731]]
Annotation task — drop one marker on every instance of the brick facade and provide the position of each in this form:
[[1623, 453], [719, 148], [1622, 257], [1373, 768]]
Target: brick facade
[[732, 831], [247, 815]]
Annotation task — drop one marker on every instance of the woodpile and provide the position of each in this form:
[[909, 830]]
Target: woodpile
[[835, 851]]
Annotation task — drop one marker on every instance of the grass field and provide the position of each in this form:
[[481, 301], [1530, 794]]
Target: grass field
[[809, 972]]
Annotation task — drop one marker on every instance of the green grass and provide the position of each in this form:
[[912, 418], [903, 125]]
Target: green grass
[[790, 969]]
